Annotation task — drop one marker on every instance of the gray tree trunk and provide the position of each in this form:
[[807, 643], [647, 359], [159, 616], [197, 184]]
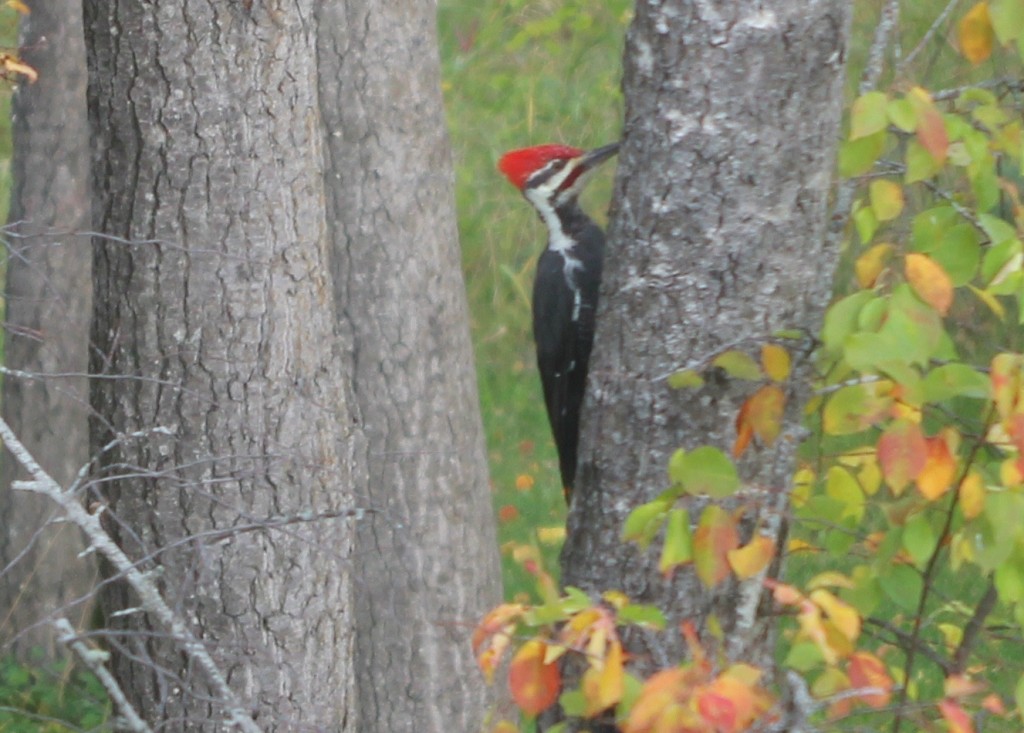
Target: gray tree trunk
[[215, 322], [427, 565], [716, 236], [48, 299]]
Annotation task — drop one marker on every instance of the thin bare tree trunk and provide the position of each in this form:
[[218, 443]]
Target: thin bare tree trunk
[[716, 238], [427, 564], [216, 337], [48, 300]]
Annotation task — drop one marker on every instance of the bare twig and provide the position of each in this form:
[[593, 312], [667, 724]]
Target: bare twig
[[904, 638], [927, 37], [142, 583], [94, 659], [876, 56]]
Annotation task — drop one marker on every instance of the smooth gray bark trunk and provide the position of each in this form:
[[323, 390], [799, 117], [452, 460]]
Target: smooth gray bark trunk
[[427, 565], [215, 322], [48, 298], [716, 236]]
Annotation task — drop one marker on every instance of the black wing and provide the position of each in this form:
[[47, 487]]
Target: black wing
[[563, 327]]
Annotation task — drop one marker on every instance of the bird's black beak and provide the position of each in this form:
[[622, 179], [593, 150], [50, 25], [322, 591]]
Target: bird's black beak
[[595, 157]]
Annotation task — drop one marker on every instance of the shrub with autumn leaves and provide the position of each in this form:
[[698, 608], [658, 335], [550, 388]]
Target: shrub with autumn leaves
[[908, 508]]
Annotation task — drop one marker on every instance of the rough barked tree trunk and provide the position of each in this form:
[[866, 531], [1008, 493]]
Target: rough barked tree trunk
[[46, 325], [426, 565], [215, 322], [716, 237]]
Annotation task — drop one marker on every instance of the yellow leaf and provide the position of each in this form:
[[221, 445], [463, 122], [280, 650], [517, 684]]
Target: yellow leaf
[[551, 535], [13, 65], [603, 684], [844, 616], [976, 34], [886, 199], [972, 495], [931, 128], [929, 281], [990, 300], [19, 6], [751, 559], [870, 264], [776, 362]]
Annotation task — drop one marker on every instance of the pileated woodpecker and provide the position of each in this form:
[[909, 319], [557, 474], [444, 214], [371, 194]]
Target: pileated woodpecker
[[565, 289]]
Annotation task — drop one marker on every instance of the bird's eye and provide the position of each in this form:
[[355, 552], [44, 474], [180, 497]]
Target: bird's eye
[[557, 165]]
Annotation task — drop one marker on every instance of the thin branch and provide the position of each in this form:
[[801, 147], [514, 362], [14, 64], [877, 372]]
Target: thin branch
[[149, 595], [929, 574], [876, 56], [94, 659], [927, 37], [1006, 84], [973, 628], [904, 638]]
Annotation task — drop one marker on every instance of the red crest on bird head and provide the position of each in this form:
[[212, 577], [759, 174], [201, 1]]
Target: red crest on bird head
[[519, 165]]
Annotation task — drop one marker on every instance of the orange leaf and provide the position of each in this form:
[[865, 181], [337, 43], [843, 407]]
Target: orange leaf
[[776, 362], [761, 414], [976, 34], [958, 720], [507, 513], [533, 684], [939, 469], [493, 634], [929, 281], [994, 704], [931, 129], [870, 264], [715, 536], [902, 454], [748, 561], [866, 670], [733, 701]]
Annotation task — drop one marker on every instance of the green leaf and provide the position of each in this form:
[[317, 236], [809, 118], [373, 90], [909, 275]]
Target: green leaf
[[955, 380], [841, 319], [706, 470], [919, 539], [997, 229], [930, 227], [639, 614], [1009, 580], [804, 656], [686, 378], [920, 164], [843, 487], [738, 364], [959, 253], [1007, 18], [678, 547], [868, 115], [901, 113], [851, 409], [644, 522], [866, 221], [573, 702], [902, 585], [857, 157]]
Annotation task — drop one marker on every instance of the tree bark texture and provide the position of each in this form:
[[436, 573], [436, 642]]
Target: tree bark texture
[[215, 323], [48, 300], [427, 565], [716, 238]]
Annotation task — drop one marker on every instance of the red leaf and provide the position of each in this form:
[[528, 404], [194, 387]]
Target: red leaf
[[866, 670], [715, 536], [958, 720]]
